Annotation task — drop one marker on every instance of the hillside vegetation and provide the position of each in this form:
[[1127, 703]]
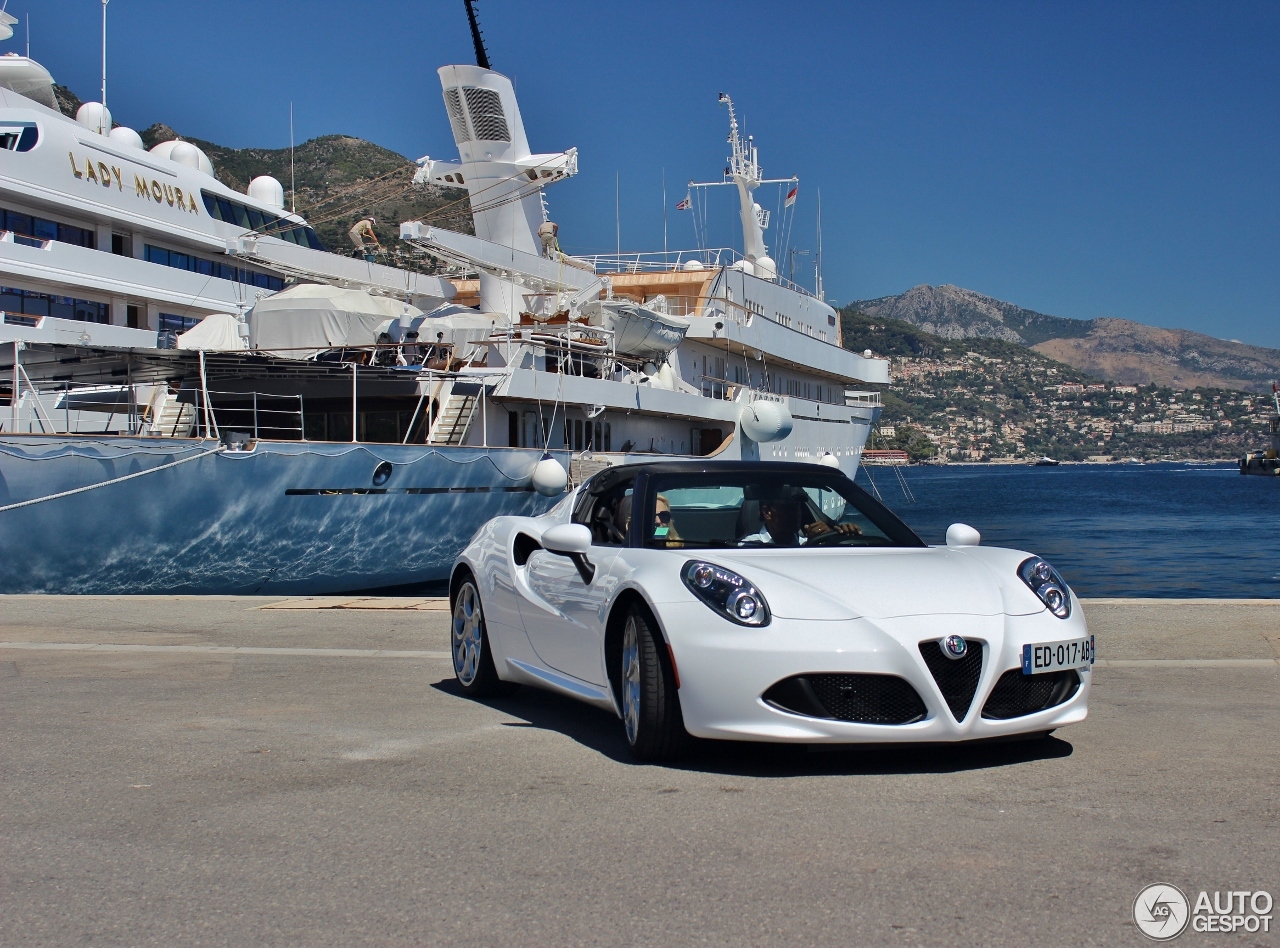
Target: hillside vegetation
[[988, 399], [1117, 349]]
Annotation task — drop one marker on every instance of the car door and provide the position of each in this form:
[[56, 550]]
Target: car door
[[563, 614]]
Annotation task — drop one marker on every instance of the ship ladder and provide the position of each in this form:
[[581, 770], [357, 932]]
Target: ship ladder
[[454, 420], [170, 418]]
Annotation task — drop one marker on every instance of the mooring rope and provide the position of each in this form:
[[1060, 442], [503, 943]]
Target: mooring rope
[[114, 480]]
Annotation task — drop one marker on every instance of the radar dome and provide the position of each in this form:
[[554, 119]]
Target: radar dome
[[127, 136], [745, 266], [693, 265], [185, 153], [268, 190], [165, 149], [766, 269], [94, 116], [766, 421]]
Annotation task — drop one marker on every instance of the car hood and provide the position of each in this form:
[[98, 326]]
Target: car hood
[[874, 584]]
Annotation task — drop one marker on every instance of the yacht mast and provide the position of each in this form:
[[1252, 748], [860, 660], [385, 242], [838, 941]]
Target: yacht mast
[[102, 116]]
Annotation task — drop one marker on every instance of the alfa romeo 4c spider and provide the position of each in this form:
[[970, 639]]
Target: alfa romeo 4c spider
[[766, 602]]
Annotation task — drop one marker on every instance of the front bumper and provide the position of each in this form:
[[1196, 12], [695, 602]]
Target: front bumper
[[724, 670]]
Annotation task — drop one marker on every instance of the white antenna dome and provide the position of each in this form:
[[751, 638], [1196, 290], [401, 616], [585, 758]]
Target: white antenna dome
[[165, 149], [94, 116], [268, 190], [746, 266], [185, 153], [766, 269], [127, 136], [693, 265]]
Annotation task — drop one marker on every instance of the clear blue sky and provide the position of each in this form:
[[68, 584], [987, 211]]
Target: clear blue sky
[[1082, 159]]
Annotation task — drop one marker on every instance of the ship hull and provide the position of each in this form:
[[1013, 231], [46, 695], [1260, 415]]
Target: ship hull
[[286, 518]]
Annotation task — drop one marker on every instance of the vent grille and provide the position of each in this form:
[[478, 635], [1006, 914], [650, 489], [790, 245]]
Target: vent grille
[[487, 119], [863, 699], [957, 678], [1016, 694], [453, 105]]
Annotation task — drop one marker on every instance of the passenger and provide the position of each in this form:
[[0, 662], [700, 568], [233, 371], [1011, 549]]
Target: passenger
[[664, 528], [782, 523]]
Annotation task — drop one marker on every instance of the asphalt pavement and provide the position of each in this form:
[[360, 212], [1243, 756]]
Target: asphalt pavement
[[228, 771]]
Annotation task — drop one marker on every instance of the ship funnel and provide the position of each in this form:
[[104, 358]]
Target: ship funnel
[[504, 179], [484, 114]]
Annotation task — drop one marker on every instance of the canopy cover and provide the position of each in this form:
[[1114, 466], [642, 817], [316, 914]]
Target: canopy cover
[[308, 318], [219, 332]]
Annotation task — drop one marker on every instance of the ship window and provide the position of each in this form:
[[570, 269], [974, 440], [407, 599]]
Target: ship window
[[313, 239], [183, 261], [172, 323], [453, 105], [31, 303], [45, 230], [18, 136], [255, 218], [211, 205], [487, 119]]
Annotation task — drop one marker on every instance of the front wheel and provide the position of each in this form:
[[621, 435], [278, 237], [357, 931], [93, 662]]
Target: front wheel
[[472, 658], [650, 703]]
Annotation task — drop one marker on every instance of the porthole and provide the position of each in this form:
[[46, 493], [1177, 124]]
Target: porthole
[[381, 473]]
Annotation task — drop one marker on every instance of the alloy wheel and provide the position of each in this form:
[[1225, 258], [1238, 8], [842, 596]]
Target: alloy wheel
[[468, 634], [631, 679]]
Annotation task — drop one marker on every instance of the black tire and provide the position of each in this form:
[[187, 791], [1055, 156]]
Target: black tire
[[647, 691], [469, 644]]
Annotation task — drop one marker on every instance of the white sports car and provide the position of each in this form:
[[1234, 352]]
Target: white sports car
[[766, 602]]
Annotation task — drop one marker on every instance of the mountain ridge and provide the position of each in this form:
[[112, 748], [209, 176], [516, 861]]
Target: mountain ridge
[[1120, 350]]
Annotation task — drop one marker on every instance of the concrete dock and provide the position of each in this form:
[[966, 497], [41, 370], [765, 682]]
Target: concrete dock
[[233, 771]]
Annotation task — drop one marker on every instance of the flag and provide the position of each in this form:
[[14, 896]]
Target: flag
[[791, 196], [685, 204]]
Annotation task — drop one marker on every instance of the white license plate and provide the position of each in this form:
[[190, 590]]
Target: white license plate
[[1055, 656]]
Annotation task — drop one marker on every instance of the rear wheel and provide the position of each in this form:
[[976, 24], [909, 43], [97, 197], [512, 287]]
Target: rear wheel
[[472, 658], [649, 699]]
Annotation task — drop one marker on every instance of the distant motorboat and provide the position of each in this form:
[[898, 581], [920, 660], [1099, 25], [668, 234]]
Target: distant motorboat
[[1047, 461]]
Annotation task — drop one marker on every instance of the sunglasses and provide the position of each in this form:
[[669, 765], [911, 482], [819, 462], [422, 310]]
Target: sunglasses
[[664, 516]]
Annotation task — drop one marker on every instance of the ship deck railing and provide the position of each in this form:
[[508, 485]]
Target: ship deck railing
[[666, 261]]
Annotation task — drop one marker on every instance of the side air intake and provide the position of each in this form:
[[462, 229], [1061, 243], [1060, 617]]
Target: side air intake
[[487, 119], [453, 105]]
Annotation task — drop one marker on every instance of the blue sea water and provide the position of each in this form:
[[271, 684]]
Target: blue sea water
[[1112, 530]]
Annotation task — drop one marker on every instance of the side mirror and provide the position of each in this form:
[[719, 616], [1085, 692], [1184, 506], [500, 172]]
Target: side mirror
[[961, 534], [567, 539], [571, 540]]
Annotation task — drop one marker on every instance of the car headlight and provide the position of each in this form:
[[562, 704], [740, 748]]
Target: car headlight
[[726, 592], [1044, 581]]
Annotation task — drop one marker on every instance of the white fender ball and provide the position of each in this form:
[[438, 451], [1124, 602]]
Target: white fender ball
[[766, 421], [549, 477]]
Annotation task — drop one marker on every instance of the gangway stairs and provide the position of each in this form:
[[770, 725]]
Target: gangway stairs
[[454, 420], [168, 417]]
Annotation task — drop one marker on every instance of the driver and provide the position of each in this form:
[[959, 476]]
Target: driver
[[782, 519]]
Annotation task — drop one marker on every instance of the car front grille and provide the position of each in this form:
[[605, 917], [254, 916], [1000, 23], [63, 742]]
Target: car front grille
[[957, 678], [864, 699], [1016, 694]]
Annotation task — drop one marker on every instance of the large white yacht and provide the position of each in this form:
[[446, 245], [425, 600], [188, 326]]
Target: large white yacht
[[328, 424]]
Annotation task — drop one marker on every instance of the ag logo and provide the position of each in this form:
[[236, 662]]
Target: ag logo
[[1161, 911]]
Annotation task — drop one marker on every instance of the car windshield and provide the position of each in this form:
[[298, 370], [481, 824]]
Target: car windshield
[[762, 509]]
